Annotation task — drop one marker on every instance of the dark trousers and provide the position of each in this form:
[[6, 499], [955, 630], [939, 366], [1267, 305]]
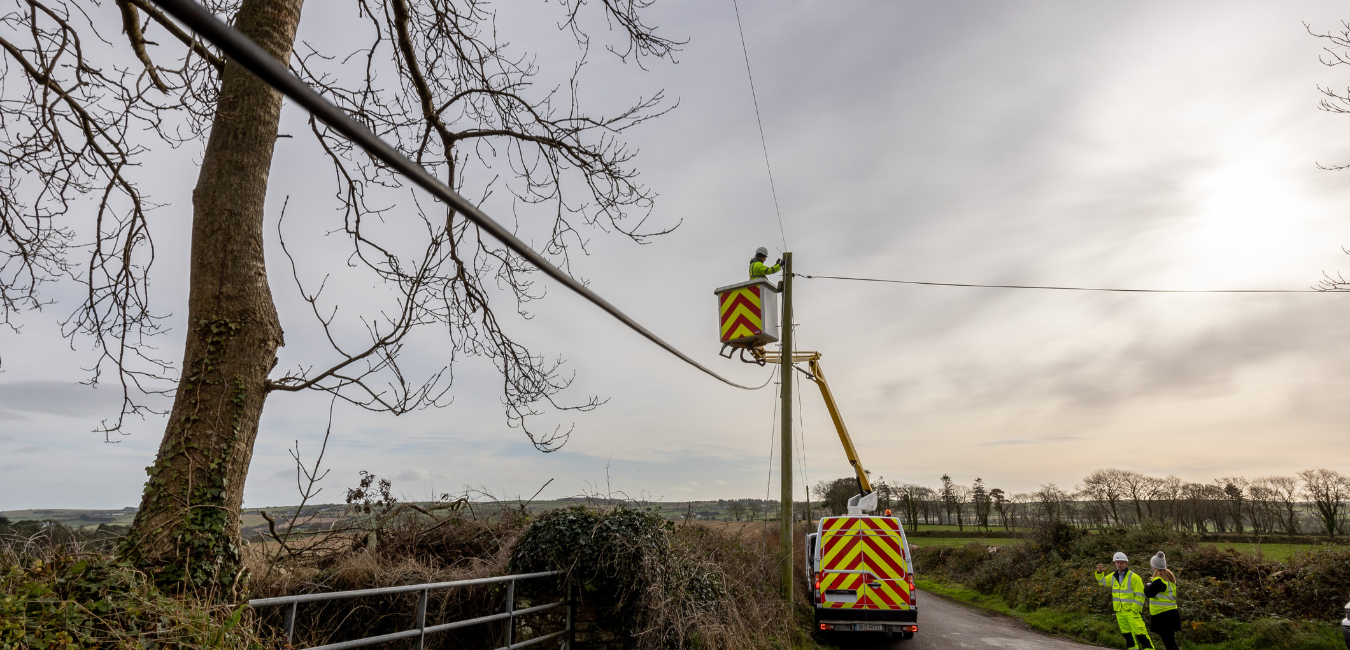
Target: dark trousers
[[1169, 639]]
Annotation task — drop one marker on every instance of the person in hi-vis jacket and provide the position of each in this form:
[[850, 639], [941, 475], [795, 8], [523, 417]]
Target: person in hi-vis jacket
[[1127, 600]]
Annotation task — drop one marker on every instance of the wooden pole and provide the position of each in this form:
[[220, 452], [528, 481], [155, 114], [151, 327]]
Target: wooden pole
[[785, 373]]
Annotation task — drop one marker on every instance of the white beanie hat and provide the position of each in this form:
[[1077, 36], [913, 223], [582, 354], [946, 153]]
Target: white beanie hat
[[1158, 561]]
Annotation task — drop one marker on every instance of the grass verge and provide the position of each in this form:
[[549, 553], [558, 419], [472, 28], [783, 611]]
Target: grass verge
[[1263, 634]]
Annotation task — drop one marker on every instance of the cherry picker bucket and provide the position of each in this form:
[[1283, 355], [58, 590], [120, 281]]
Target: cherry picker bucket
[[748, 313]]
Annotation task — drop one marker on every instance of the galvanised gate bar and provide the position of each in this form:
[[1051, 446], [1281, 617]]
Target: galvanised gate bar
[[292, 603]]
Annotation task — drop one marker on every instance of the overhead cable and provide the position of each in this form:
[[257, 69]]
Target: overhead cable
[[758, 120], [246, 53], [1053, 288]]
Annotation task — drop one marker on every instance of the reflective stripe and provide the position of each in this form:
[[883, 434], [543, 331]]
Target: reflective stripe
[[1127, 593], [1164, 601], [759, 269]]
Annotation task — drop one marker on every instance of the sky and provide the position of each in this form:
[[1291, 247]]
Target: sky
[[1143, 144]]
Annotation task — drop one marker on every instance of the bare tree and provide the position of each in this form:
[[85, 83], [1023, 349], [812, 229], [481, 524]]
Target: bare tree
[[1139, 490], [1284, 491], [1336, 52], [1328, 491], [1050, 503], [458, 100], [1105, 486], [1263, 509]]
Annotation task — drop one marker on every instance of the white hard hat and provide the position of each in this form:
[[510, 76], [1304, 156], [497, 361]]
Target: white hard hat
[[1120, 557], [762, 251]]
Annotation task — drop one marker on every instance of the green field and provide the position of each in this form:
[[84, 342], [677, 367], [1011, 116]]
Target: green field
[[1274, 552], [74, 518], [962, 541]]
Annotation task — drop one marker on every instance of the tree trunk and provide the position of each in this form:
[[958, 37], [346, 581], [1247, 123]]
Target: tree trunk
[[186, 533]]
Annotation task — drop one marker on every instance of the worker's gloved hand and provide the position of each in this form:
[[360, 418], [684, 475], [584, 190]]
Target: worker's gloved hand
[[779, 262]]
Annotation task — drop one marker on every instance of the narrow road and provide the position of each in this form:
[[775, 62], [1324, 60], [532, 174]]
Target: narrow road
[[947, 625]]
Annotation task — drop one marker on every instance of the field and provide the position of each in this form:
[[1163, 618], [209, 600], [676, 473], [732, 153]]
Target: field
[[74, 518]]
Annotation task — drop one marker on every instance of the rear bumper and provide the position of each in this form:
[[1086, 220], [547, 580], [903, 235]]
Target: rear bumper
[[842, 616]]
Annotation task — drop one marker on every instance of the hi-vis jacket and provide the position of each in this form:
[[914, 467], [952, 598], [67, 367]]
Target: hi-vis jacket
[[1127, 593], [1167, 600], [759, 269]]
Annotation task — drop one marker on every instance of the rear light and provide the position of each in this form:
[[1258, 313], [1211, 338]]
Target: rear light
[[826, 626], [910, 628]]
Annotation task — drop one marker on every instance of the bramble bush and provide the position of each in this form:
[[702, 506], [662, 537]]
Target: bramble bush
[[77, 602], [644, 582]]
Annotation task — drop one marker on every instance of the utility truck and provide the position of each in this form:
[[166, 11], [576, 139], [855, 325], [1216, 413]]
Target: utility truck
[[858, 564]]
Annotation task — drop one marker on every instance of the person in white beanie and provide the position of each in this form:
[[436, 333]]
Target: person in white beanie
[[1164, 618], [1127, 600]]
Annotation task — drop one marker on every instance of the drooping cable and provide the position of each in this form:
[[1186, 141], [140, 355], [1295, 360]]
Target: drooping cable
[[763, 143], [801, 446], [239, 49], [1055, 288], [773, 437]]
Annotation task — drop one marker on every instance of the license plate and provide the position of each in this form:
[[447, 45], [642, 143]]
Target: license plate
[[869, 627]]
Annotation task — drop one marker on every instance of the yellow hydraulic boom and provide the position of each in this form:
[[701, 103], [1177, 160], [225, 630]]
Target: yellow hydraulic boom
[[812, 359]]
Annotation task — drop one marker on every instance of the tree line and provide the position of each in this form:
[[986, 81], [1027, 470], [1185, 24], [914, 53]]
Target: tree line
[[1313, 501]]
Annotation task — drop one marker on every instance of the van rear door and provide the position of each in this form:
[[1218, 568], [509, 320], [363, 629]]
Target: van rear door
[[863, 564]]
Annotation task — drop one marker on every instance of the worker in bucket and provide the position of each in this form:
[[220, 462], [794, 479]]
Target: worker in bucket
[[1127, 600], [758, 269]]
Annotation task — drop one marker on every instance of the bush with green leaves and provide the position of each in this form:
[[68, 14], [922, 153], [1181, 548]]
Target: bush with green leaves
[[1223, 595], [644, 582], [77, 602]]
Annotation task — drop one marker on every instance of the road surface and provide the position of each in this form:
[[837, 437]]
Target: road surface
[[946, 625]]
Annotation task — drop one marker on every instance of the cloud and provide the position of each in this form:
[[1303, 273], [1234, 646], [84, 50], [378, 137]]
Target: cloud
[[413, 475], [10, 416], [56, 398], [31, 449], [1028, 441], [11, 467]]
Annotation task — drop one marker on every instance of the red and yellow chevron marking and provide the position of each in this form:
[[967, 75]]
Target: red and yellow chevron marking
[[742, 313], [870, 544]]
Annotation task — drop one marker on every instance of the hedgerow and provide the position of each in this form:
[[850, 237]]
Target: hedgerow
[[1223, 596]]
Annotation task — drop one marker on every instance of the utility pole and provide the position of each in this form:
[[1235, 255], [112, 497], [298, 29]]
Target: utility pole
[[785, 374]]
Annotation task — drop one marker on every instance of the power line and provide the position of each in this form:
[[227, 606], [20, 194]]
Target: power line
[[245, 52], [1052, 288], [801, 439], [758, 120]]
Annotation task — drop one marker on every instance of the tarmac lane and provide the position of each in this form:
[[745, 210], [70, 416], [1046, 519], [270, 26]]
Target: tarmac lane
[[948, 625]]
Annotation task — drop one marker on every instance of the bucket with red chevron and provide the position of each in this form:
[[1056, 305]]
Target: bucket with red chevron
[[748, 313]]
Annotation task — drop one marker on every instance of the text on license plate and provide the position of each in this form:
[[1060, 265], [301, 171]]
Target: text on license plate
[[868, 627]]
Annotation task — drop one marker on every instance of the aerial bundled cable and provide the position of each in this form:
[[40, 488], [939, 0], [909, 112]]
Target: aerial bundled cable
[[758, 120], [1054, 288], [246, 53]]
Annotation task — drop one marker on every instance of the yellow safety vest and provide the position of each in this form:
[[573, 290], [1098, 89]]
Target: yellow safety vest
[[1127, 594], [759, 269], [1164, 601]]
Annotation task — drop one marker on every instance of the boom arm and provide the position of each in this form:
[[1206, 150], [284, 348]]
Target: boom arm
[[844, 438], [813, 360]]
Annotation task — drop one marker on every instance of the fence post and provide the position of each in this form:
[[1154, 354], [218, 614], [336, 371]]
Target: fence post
[[510, 614], [289, 623], [421, 619], [570, 636]]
